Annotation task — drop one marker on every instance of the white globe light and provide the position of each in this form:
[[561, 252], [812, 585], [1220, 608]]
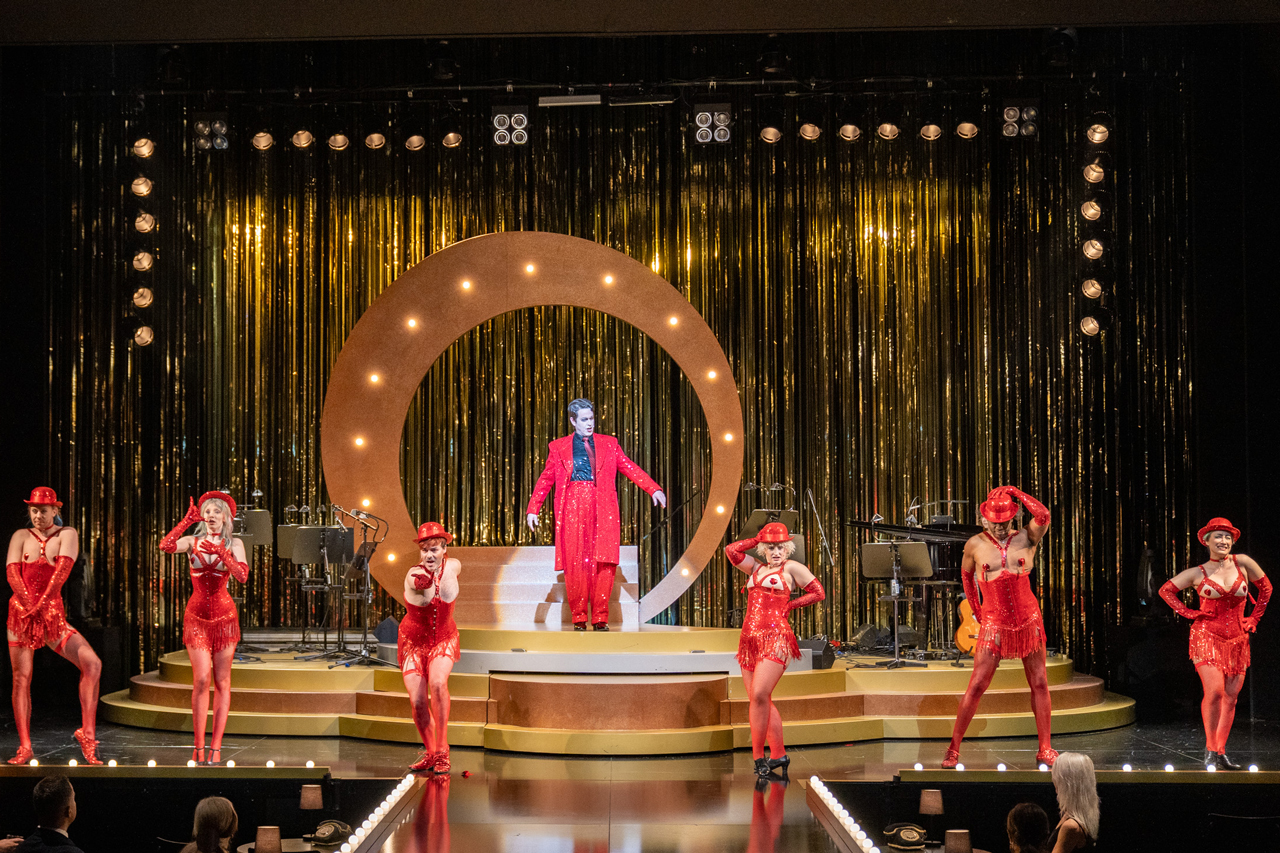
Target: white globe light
[[919, 766], [270, 763], [311, 764], [111, 763], [959, 766], [1253, 768], [1001, 766], [191, 762], [1127, 768], [1168, 768], [1043, 766], [231, 763]]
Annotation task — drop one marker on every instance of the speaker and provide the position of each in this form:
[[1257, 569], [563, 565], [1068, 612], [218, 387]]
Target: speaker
[[868, 637], [824, 654]]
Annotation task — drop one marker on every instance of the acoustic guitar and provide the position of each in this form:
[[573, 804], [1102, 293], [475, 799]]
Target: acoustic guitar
[[967, 633]]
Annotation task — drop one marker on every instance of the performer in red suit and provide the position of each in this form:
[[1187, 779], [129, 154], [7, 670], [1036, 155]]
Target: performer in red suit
[[427, 645], [767, 643], [40, 559], [1012, 625], [584, 469], [1220, 630], [210, 625]]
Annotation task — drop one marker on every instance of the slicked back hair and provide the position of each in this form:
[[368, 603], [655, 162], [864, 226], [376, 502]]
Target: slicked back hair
[[578, 405]]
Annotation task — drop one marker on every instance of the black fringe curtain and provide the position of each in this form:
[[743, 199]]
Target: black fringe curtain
[[903, 317]]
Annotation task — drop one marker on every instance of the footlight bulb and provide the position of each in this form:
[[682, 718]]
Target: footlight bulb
[[1212, 768], [815, 781], [1127, 768], [151, 763], [33, 763], [111, 763], [271, 763], [866, 844], [1168, 768], [959, 766], [918, 766], [231, 763], [861, 835], [1253, 768], [311, 764], [367, 825], [72, 763], [1043, 766], [1001, 766], [345, 848], [191, 762]]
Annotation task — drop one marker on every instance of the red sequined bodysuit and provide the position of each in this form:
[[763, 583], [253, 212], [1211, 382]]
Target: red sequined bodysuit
[[1012, 625], [1219, 639], [766, 631], [210, 621], [428, 631], [36, 613]]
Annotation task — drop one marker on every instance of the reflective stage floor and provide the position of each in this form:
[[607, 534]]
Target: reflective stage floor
[[511, 801]]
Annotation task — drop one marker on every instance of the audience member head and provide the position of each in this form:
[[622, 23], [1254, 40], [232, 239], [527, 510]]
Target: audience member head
[[1028, 828], [215, 824], [1077, 789], [55, 802]]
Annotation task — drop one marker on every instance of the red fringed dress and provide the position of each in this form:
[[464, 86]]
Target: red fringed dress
[[37, 616], [1012, 625], [427, 631], [210, 621], [1219, 639], [766, 631]]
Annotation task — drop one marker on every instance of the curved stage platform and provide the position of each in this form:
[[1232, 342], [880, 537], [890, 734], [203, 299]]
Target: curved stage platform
[[649, 691]]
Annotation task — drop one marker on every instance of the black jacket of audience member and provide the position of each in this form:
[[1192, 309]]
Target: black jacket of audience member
[[47, 839]]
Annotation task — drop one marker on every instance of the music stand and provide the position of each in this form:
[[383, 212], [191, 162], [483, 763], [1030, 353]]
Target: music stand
[[894, 560], [317, 545], [358, 571]]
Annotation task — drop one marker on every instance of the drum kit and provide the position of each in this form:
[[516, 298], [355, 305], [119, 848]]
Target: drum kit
[[924, 558]]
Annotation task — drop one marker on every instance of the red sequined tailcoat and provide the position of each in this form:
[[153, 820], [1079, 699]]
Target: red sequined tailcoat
[[610, 461]]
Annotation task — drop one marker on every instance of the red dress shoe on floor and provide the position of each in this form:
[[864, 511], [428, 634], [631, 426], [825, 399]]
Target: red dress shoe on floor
[[88, 746], [1047, 756], [23, 756], [951, 760]]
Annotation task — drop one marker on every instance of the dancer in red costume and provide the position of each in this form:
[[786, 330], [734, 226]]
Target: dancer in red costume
[[584, 469], [767, 643], [1220, 630], [40, 559], [427, 646], [210, 625], [1012, 625]]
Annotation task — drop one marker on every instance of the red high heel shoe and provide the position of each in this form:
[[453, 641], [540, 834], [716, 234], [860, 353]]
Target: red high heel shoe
[[23, 756], [951, 760], [88, 746], [1047, 756], [426, 761], [442, 765]]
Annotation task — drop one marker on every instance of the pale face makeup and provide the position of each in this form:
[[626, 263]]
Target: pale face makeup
[[585, 423], [42, 515]]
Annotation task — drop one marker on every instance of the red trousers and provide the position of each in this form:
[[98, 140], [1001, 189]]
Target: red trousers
[[584, 576]]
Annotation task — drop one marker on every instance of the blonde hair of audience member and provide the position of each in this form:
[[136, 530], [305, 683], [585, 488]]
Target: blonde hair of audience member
[[215, 824], [1077, 789], [1028, 828]]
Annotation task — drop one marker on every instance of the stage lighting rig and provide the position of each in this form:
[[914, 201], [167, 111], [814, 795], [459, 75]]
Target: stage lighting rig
[[810, 124], [1095, 322], [712, 123], [1021, 118], [1099, 128], [209, 131], [143, 260], [509, 124]]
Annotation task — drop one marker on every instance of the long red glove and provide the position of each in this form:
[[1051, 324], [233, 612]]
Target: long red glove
[[971, 593], [1038, 511], [19, 587], [737, 551], [239, 570], [1170, 594], [813, 594], [61, 570], [1259, 606], [169, 544]]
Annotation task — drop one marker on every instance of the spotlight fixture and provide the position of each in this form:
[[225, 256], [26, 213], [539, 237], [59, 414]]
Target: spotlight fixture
[[887, 130], [1021, 118], [1092, 288], [1095, 322], [142, 260], [142, 297], [141, 186], [144, 222], [449, 129], [302, 139], [143, 147], [773, 58], [1095, 207], [262, 140], [444, 68], [144, 335], [809, 130], [966, 130], [209, 131], [1096, 168], [416, 142], [889, 121], [930, 131], [711, 123], [931, 119], [1092, 249], [771, 133], [510, 124], [849, 132], [1099, 129], [374, 141], [339, 141]]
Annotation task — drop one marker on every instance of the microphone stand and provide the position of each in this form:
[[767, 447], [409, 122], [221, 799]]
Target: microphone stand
[[365, 595]]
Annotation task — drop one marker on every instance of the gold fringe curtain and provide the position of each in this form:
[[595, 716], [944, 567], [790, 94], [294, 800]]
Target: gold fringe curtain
[[902, 318]]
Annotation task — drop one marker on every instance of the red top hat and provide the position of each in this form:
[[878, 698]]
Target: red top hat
[[222, 496], [434, 530], [1216, 524], [44, 496], [774, 531], [999, 507]]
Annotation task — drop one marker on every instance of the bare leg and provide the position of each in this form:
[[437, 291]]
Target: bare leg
[[221, 694], [79, 652], [760, 692], [984, 667], [1041, 705], [201, 672], [416, 686], [1215, 695], [1227, 712], [438, 689], [21, 660]]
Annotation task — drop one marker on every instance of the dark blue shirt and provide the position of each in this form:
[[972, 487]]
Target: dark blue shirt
[[583, 469]]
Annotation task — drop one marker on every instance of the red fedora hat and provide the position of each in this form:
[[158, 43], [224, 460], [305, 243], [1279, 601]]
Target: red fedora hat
[[998, 507], [222, 496], [434, 530], [1218, 524], [43, 496]]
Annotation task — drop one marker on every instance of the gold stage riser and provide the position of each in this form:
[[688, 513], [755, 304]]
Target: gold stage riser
[[622, 715]]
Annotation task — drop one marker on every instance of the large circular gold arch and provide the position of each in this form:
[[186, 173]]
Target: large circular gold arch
[[457, 289]]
